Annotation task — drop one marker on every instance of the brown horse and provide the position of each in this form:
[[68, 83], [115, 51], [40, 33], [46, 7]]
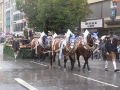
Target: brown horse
[[65, 46], [39, 45], [85, 49]]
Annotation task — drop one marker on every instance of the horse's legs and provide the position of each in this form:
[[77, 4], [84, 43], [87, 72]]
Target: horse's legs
[[50, 55], [65, 60], [78, 61], [72, 59], [32, 53], [86, 63], [54, 56], [59, 65]]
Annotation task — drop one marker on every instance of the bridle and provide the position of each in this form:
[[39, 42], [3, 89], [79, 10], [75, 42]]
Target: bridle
[[88, 46]]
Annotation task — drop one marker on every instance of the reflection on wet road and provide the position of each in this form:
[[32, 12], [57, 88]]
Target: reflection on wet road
[[32, 75]]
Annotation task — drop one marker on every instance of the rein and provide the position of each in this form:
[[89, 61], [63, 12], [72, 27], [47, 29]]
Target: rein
[[86, 46]]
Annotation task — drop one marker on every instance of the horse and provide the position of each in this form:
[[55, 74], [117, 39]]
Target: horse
[[40, 45], [65, 46], [85, 47]]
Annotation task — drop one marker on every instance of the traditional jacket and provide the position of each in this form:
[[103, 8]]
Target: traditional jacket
[[111, 47]]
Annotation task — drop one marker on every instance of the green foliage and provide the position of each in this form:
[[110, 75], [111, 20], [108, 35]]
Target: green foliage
[[6, 42], [7, 50], [30, 8], [23, 53], [54, 15]]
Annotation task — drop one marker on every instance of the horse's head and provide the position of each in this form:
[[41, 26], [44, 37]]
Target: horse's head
[[95, 38], [90, 40], [46, 41], [72, 43]]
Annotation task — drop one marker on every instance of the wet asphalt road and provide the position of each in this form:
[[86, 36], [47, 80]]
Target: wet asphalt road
[[32, 75]]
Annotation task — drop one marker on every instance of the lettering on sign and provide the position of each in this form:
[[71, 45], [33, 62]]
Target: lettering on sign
[[90, 24]]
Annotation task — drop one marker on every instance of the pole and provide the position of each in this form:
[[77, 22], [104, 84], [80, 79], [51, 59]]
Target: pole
[[79, 27]]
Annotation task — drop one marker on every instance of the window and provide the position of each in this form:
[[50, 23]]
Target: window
[[14, 1], [14, 8], [18, 27], [8, 4], [8, 20], [18, 16]]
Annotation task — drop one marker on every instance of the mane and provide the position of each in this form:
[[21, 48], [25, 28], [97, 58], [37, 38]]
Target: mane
[[90, 40]]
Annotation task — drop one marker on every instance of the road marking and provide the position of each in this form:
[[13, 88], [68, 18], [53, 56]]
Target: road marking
[[25, 84], [96, 80], [39, 63]]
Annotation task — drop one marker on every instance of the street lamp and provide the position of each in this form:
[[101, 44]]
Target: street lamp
[[78, 28]]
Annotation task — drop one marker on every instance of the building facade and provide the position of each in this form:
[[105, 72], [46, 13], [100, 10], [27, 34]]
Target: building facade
[[13, 21], [1, 15], [101, 10]]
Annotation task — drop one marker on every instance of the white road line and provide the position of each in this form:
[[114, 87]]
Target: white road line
[[96, 80], [39, 63], [25, 84]]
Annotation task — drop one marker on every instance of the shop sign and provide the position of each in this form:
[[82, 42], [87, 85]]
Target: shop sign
[[92, 23]]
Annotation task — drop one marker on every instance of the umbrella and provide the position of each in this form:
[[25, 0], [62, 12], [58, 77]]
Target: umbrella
[[114, 36], [103, 37]]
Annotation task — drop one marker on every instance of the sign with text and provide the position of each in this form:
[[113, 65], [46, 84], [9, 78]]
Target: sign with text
[[92, 23]]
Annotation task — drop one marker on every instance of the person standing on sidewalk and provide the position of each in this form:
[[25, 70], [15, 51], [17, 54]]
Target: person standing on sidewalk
[[31, 33], [102, 46], [118, 48], [111, 48]]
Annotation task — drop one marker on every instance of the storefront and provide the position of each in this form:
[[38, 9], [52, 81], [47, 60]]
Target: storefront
[[113, 27], [93, 25], [102, 9]]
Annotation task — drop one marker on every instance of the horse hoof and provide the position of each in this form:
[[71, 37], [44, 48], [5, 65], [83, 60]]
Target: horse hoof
[[78, 68], [59, 67], [89, 70], [50, 67], [65, 69]]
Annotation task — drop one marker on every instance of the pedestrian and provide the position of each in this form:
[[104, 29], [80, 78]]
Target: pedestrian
[[111, 48], [102, 46], [118, 48], [25, 32], [96, 53], [15, 46], [31, 33]]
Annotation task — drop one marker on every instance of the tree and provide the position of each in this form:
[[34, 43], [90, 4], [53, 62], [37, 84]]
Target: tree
[[54, 15], [30, 8]]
